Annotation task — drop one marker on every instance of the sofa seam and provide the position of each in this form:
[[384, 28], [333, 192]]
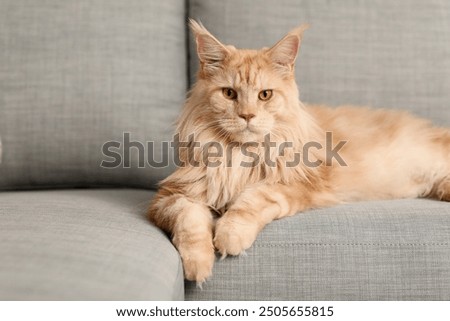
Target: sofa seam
[[352, 244], [187, 39], [179, 270]]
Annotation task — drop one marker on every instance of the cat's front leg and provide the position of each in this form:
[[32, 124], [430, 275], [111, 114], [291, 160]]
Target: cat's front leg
[[257, 206], [191, 225]]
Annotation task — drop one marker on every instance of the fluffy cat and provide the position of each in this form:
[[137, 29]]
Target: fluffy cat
[[244, 96]]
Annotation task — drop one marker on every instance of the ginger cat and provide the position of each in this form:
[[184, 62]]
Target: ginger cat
[[242, 97]]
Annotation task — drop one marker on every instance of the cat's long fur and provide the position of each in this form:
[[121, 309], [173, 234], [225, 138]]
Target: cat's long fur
[[388, 154]]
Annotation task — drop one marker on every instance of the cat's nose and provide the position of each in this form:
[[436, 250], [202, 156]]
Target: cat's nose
[[247, 117]]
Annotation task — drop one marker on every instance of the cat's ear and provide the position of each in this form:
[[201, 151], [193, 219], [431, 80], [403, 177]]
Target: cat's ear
[[209, 50], [285, 51]]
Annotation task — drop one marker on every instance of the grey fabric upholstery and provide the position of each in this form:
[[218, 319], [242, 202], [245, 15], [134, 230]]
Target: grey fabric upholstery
[[77, 74], [386, 250], [84, 245], [381, 53]]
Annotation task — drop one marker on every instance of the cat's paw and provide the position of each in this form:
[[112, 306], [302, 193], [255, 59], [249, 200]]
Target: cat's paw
[[198, 261], [234, 234], [197, 268]]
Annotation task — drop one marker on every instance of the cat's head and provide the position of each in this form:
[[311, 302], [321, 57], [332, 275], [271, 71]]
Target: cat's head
[[247, 94]]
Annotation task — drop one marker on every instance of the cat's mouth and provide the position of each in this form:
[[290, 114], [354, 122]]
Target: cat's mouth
[[248, 133], [245, 132], [251, 129]]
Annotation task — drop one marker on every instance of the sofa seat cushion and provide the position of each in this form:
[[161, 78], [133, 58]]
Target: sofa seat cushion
[[385, 250], [92, 244]]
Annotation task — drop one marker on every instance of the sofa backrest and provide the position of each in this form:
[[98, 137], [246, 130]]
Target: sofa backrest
[[380, 53], [75, 75]]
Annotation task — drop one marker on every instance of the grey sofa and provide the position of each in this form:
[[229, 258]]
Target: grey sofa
[[76, 75]]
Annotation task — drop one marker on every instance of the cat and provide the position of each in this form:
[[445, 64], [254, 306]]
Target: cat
[[241, 97]]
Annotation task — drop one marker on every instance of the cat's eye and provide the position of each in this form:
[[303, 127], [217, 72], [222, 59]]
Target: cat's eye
[[229, 93], [265, 94]]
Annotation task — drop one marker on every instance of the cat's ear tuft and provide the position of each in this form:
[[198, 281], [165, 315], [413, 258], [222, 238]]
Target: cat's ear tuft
[[209, 50], [285, 51]]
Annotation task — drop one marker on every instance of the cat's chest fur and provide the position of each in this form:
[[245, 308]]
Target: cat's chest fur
[[228, 175]]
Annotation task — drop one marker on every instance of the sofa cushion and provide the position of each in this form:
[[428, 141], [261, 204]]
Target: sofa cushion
[[383, 250], [84, 245], [77, 74], [380, 53]]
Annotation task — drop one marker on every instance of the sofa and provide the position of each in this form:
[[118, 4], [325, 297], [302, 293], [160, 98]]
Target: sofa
[[87, 86]]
